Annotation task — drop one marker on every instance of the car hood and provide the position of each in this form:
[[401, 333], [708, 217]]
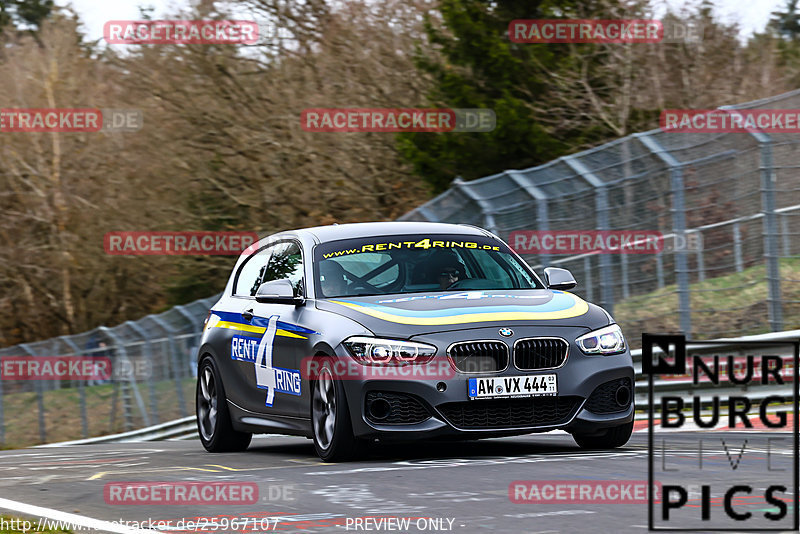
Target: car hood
[[404, 316]]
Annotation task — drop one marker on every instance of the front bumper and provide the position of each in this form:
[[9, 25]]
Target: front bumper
[[442, 395]]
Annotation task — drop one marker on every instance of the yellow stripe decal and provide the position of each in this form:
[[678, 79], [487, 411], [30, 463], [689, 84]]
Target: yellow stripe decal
[[286, 333], [256, 329]]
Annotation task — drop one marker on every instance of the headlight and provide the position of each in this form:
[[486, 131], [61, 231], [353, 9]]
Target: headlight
[[377, 351], [606, 341]]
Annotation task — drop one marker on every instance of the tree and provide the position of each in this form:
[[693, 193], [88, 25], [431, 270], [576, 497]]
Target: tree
[[24, 14], [474, 65], [786, 24]]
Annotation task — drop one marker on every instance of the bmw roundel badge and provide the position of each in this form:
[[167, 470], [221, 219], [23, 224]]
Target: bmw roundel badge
[[506, 332]]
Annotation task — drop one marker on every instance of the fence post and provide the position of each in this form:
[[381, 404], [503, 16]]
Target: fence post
[[172, 358], [39, 398], [148, 351], [787, 246], [678, 226], [81, 388], [122, 355], [486, 208], [127, 416], [542, 215], [197, 329], [770, 230], [623, 263], [587, 272], [737, 248], [701, 265], [601, 207], [113, 416]]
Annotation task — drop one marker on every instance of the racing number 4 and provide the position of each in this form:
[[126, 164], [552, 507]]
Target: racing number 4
[[265, 373]]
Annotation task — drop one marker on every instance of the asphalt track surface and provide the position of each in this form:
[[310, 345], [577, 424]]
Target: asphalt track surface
[[464, 486]]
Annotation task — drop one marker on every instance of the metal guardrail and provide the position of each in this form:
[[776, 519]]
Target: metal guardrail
[[686, 389], [185, 428]]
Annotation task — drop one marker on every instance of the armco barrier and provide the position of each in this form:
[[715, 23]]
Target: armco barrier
[[185, 428], [686, 389]]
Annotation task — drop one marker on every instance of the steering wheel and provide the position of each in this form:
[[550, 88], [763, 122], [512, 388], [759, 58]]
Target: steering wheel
[[364, 285], [471, 283]]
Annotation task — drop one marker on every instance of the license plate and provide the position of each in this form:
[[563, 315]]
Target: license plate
[[512, 386]]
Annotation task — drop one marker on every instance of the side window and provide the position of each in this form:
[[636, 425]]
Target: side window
[[250, 272], [286, 262]]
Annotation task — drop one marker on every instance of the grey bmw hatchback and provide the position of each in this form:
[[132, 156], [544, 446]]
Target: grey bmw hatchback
[[355, 333]]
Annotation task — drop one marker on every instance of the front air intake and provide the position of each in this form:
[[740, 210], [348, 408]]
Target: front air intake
[[479, 356]]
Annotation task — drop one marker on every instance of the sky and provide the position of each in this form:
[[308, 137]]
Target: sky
[[751, 15]]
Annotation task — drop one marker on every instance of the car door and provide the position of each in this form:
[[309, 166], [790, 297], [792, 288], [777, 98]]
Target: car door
[[284, 340], [242, 337]]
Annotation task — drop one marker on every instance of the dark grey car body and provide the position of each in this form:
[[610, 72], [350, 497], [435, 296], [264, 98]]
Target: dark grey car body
[[431, 406]]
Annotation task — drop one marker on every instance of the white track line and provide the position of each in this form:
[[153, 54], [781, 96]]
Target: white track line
[[74, 519]]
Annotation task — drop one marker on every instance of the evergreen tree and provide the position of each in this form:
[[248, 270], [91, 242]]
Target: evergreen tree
[[475, 65]]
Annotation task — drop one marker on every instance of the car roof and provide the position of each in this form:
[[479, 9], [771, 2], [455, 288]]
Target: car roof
[[373, 229]]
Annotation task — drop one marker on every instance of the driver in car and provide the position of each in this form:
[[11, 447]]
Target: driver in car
[[333, 279], [448, 268]]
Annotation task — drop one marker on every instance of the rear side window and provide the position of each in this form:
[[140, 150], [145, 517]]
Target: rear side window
[[250, 272], [286, 261]]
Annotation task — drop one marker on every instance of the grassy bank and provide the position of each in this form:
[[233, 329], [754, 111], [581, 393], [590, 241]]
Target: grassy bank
[[731, 305]]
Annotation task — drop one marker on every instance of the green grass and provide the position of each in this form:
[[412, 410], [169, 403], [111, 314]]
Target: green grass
[[14, 525], [725, 306], [63, 415]]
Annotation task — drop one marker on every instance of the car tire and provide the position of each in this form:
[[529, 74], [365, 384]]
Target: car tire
[[331, 427], [214, 423], [610, 439]]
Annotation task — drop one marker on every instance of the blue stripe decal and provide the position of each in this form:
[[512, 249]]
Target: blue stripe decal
[[233, 317]]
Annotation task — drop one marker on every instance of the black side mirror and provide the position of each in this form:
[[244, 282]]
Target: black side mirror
[[278, 292], [561, 279]]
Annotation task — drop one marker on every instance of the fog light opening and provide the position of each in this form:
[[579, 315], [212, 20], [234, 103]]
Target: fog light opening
[[623, 396], [379, 409]]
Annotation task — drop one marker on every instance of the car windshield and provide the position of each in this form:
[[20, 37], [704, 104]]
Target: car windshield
[[413, 264]]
